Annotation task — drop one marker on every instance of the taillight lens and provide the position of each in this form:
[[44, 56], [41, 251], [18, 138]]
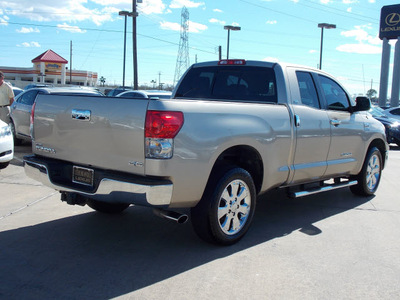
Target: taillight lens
[[160, 129], [163, 124]]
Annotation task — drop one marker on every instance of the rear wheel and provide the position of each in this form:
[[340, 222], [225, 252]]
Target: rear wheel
[[4, 165], [226, 209], [370, 175], [105, 207]]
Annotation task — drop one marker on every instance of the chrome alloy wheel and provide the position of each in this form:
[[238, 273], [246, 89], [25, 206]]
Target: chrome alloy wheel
[[234, 207], [373, 172]]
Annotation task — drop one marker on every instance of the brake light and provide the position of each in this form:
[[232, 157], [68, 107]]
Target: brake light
[[160, 129], [163, 124], [232, 62]]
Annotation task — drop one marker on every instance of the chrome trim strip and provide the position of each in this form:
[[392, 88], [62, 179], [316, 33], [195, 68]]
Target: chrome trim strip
[[323, 189], [154, 194]]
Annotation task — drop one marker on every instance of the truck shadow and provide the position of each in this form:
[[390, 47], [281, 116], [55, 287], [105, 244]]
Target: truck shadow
[[99, 256]]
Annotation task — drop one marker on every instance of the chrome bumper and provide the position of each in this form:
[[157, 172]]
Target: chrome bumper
[[108, 190]]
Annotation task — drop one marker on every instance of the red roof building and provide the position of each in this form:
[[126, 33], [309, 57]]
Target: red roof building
[[49, 67], [50, 56]]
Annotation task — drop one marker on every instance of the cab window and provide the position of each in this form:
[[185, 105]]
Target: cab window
[[335, 96], [308, 92]]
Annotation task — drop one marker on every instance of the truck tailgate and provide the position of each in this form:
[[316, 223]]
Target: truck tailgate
[[101, 132]]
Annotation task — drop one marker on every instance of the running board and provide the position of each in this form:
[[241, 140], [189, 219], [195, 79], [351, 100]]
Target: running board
[[321, 189]]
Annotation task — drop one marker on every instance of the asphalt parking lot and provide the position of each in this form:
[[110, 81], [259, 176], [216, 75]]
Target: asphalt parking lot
[[326, 246]]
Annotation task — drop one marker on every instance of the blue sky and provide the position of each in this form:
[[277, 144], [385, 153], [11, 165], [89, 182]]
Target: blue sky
[[284, 30]]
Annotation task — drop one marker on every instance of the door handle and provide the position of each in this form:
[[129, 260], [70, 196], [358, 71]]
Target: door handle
[[335, 122]]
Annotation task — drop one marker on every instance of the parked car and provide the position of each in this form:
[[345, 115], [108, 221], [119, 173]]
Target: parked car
[[118, 90], [6, 145], [17, 91], [392, 126], [36, 85], [393, 112], [146, 94], [20, 110]]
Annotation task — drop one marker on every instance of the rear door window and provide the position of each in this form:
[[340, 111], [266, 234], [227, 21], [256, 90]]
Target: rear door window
[[254, 84]]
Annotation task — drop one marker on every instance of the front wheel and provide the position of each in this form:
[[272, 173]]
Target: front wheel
[[226, 209], [107, 208], [370, 175]]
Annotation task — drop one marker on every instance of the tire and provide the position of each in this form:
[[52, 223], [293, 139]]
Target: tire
[[107, 208], [370, 175], [17, 141], [225, 212], [4, 165]]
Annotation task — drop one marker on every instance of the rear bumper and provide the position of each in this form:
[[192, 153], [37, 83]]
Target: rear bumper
[[108, 186]]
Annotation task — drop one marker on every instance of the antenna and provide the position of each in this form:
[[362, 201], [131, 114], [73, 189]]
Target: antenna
[[182, 61]]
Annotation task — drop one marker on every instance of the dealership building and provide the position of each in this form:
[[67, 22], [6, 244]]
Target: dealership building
[[50, 68]]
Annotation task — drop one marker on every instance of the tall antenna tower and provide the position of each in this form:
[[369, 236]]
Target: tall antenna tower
[[182, 61]]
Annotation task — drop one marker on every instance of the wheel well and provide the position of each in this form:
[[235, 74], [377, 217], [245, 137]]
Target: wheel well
[[381, 147], [244, 157]]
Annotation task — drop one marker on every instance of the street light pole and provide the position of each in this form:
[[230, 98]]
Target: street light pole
[[125, 14], [134, 46], [229, 28], [322, 26]]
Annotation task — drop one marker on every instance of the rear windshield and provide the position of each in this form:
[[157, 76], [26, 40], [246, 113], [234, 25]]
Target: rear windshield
[[244, 83]]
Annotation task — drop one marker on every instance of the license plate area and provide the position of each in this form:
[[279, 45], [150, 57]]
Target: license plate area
[[82, 176]]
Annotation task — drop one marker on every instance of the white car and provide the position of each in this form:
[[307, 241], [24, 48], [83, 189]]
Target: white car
[[6, 145], [145, 94]]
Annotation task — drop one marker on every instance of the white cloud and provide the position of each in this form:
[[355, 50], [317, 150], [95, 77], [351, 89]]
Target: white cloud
[[350, 1], [312, 51], [217, 10], [4, 20], [325, 1], [213, 20], [193, 26], [196, 27], [271, 22], [151, 7], [73, 29], [29, 45], [170, 26], [28, 30], [349, 9], [187, 3], [270, 59], [359, 48]]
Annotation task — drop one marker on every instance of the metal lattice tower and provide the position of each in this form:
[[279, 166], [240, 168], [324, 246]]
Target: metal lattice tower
[[182, 61]]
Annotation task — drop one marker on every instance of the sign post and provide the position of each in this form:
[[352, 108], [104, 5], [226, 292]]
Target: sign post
[[390, 29]]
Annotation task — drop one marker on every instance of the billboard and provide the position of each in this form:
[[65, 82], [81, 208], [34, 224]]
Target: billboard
[[390, 22]]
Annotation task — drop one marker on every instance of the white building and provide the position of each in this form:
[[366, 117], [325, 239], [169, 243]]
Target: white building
[[48, 67]]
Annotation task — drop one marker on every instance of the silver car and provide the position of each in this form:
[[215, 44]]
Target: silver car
[[20, 110], [393, 112]]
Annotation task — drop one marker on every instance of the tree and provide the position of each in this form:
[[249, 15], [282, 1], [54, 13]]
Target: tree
[[102, 80], [372, 93]]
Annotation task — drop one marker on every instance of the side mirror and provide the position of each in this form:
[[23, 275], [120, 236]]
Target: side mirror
[[362, 104]]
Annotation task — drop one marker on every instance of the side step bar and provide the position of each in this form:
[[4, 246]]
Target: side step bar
[[321, 189]]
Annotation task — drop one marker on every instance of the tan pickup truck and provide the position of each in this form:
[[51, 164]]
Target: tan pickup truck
[[233, 129]]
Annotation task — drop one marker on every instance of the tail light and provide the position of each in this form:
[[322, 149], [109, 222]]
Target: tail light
[[160, 130], [31, 120]]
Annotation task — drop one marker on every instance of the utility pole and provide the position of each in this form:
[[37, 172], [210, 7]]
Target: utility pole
[[159, 80], [135, 66], [70, 63]]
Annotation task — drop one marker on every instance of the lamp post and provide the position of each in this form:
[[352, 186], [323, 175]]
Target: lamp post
[[125, 14], [322, 26], [229, 28]]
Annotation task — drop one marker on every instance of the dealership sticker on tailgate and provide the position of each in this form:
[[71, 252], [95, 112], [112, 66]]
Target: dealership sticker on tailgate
[[82, 175]]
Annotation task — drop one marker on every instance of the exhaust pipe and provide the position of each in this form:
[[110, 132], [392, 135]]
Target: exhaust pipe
[[171, 215]]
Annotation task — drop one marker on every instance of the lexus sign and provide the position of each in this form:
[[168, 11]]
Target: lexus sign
[[390, 22]]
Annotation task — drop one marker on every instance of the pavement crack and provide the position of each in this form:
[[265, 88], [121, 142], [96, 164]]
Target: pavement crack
[[28, 205]]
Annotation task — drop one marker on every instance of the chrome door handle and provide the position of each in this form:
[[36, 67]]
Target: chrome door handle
[[335, 122]]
